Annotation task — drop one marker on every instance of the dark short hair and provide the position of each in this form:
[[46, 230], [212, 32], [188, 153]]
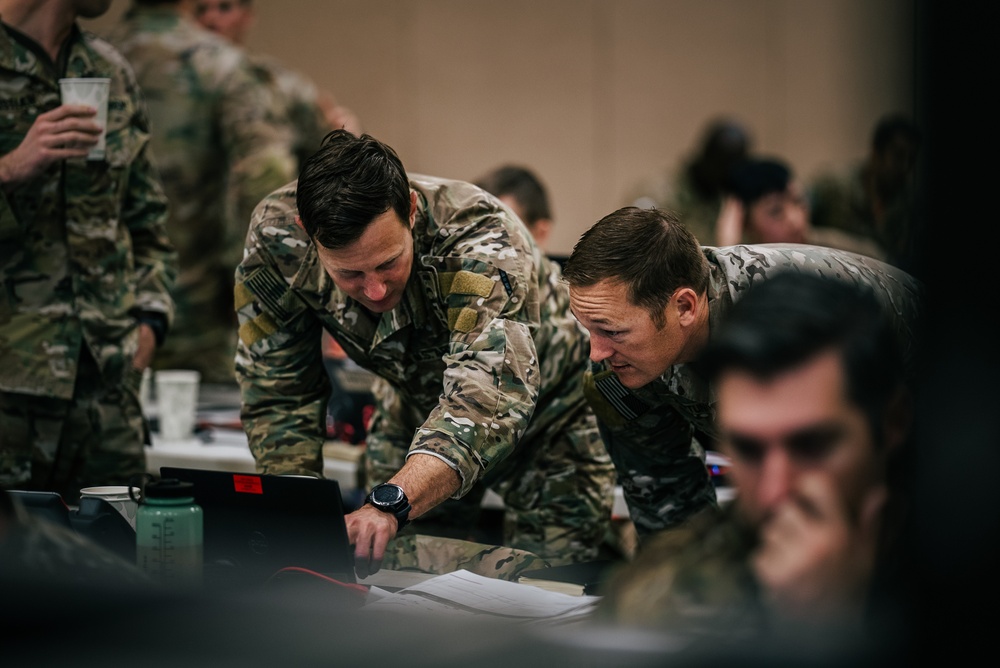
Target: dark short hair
[[791, 318], [523, 185], [648, 250], [348, 183], [891, 126], [751, 179]]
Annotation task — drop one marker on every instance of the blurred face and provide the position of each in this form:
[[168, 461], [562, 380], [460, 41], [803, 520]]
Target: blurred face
[[797, 423], [625, 335], [540, 229], [374, 269], [779, 217], [229, 18]]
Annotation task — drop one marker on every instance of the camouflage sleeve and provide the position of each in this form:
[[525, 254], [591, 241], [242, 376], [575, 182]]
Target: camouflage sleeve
[[491, 378], [658, 461], [279, 365], [144, 212], [259, 143]]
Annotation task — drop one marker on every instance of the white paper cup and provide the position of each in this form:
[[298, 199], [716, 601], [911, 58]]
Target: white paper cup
[[91, 92], [117, 496], [176, 402]]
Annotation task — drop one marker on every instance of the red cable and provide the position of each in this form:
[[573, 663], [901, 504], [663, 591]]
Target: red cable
[[361, 589]]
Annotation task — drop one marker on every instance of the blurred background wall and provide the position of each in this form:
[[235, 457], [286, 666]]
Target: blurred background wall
[[598, 96]]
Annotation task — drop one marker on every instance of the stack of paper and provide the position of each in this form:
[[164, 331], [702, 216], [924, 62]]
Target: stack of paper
[[465, 593]]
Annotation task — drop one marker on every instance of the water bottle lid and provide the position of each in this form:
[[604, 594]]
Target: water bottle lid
[[169, 488]]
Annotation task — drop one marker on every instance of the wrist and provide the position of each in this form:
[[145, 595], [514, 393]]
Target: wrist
[[391, 499], [156, 322]]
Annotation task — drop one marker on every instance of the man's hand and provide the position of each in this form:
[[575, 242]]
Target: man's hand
[[816, 556], [147, 347], [427, 482], [729, 224], [369, 530], [65, 132]]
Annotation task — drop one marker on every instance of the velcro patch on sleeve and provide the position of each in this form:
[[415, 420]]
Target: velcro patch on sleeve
[[272, 292], [257, 329], [612, 402], [468, 283], [241, 296], [444, 279], [461, 319]]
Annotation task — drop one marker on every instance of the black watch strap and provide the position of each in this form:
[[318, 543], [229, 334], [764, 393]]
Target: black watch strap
[[390, 498]]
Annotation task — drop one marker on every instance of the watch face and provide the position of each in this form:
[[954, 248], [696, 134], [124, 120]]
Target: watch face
[[387, 495]]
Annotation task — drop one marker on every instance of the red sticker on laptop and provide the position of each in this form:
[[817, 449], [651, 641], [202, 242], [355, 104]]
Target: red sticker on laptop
[[248, 484]]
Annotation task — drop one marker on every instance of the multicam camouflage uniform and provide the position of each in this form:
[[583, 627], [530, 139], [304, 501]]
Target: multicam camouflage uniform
[[695, 579], [299, 102], [438, 555], [84, 256], [656, 435], [220, 151], [482, 356]]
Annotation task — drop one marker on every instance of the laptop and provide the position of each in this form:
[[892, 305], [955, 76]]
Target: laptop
[[257, 525]]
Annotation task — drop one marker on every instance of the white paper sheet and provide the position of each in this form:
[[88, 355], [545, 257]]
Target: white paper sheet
[[463, 593]]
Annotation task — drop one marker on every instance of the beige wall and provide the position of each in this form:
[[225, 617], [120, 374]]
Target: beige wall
[[598, 95]]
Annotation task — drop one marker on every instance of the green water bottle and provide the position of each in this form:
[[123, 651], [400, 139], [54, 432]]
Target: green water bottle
[[169, 533]]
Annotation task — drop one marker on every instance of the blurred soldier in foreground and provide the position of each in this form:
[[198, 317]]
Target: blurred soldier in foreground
[[85, 263], [814, 410], [442, 293]]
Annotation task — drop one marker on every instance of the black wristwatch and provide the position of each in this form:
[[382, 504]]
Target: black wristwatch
[[392, 499]]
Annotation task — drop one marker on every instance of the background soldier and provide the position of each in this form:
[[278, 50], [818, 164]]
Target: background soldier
[[312, 113], [220, 149]]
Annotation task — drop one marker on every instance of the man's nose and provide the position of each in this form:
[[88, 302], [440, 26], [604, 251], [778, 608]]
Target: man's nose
[[600, 348], [375, 289], [775, 479]]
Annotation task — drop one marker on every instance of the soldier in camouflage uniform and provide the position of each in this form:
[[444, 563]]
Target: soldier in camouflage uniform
[[815, 412], [875, 198], [650, 297], [85, 263], [436, 288], [697, 190], [310, 112], [220, 149]]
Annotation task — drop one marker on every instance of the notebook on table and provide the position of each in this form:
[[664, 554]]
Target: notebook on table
[[257, 525]]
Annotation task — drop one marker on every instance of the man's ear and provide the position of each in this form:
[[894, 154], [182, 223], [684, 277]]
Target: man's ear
[[298, 221], [413, 208], [687, 304]]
